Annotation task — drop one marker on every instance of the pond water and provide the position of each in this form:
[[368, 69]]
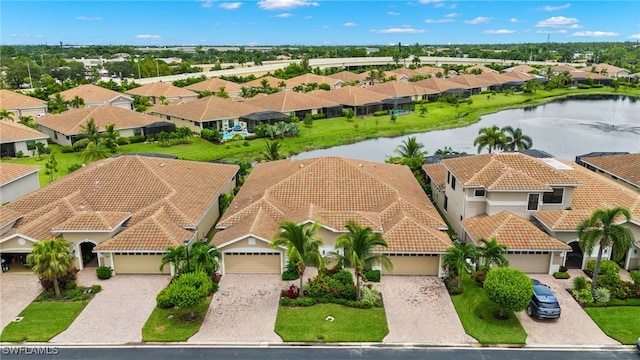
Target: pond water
[[564, 128]]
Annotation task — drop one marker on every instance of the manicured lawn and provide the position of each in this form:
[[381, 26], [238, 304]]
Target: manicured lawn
[[309, 324], [618, 322], [476, 314], [159, 327], [42, 321]]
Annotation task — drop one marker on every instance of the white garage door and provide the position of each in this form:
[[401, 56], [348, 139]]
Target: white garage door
[[530, 263], [413, 265], [252, 263], [138, 264]]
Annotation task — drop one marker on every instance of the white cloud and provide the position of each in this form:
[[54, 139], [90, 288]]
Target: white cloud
[[557, 21], [86, 18], [634, 36], [429, 1], [231, 6], [575, 26], [393, 13], [148, 37], [308, 17], [438, 21], [402, 30], [207, 3], [26, 35], [555, 8], [594, 34], [562, 31], [452, 15], [350, 24], [284, 15], [284, 4], [478, 20], [498, 32], [514, 20]]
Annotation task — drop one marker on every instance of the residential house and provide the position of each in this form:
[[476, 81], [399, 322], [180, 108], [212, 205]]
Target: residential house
[[17, 180], [18, 139], [331, 191], [474, 83], [523, 68], [214, 85], [444, 87], [498, 82], [429, 71], [586, 77], [271, 82], [65, 127], [621, 167], [156, 92], [611, 71], [94, 95], [22, 105], [296, 104], [313, 79], [402, 74], [124, 210], [347, 77], [479, 69], [398, 89], [362, 101]]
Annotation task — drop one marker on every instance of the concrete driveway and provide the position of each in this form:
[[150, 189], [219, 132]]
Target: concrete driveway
[[16, 292], [574, 327], [116, 314], [243, 310], [419, 310]]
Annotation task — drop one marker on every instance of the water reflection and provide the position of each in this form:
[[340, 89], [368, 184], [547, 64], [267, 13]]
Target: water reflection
[[565, 128]]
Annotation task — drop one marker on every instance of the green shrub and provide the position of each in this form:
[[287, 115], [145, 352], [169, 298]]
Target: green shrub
[[323, 286], [251, 137], [635, 276], [372, 275], [71, 275], [71, 285], [602, 295], [606, 266], [623, 290], [74, 167], [66, 149], [318, 116], [561, 275], [288, 276], [469, 101], [579, 283], [214, 288], [163, 299], [123, 140], [137, 139], [19, 154], [584, 296], [72, 294], [303, 301], [96, 289], [371, 296], [381, 113], [198, 280], [344, 277], [584, 86], [104, 272]]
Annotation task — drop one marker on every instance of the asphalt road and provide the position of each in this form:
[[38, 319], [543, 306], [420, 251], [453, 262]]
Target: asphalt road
[[307, 353]]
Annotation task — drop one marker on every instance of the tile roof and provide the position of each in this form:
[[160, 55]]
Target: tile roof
[[207, 109], [507, 171], [70, 122], [11, 100], [334, 190], [437, 173], [92, 94], [158, 89], [484, 69], [610, 69], [400, 89], [106, 191], [470, 81], [311, 78], [288, 101], [214, 84], [578, 74], [623, 166], [429, 70], [346, 76], [350, 95], [12, 131], [522, 68], [440, 85], [272, 81], [519, 75], [11, 172], [512, 231], [496, 79]]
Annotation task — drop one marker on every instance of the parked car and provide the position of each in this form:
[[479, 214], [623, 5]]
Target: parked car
[[543, 304], [638, 344]]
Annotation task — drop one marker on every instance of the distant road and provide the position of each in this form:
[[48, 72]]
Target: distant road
[[270, 66]]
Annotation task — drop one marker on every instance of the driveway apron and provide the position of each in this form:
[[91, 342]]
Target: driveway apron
[[117, 313], [16, 292], [243, 309], [419, 311]]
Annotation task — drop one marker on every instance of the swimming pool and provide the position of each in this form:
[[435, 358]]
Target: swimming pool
[[228, 135]]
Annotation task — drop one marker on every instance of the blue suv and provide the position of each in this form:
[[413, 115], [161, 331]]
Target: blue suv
[[543, 304]]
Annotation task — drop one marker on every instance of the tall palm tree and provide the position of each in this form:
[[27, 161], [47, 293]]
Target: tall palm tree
[[28, 121], [174, 255], [271, 151], [90, 131], [455, 259], [491, 138], [6, 114], [410, 148], [110, 137], [94, 152], [205, 257], [604, 228], [358, 245], [516, 139], [302, 246], [77, 102], [51, 259], [492, 253], [57, 104]]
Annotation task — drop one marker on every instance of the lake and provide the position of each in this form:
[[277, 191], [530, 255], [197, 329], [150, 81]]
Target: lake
[[564, 128]]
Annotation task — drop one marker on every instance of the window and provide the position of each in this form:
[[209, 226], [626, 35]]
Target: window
[[446, 202], [554, 197], [137, 132], [479, 193], [532, 204], [448, 177], [453, 182], [31, 145], [252, 241]]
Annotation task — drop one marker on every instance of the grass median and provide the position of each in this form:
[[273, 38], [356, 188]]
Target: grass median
[[165, 324], [618, 322], [41, 321]]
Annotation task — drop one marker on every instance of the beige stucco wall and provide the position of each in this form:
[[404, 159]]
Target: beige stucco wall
[[328, 237], [567, 199], [212, 216], [455, 205], [31, 111], [244, 246], [22, 146], [13, 245], [193, 125], [55, 136], [18, 188]]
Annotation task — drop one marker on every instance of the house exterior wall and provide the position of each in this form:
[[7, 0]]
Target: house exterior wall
[[55, 136], [30, 111], [193, 125], [22, 145], [246, 246], [16, 245], [455, 201], [211, 217], [514, 202], [18, 188]]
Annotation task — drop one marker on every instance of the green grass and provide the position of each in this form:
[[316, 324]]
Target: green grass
[[627, 302], [618, 322], [309, 324], [159, 327], [476, 314], [338, 131], [43, 320]]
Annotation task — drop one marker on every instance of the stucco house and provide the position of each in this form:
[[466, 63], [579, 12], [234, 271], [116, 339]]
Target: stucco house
[[94, 95], [214, 85], [124, 210], [331, 191], [161, 90], [623, 168], [22, 105], [362, 101], [17, 138], [17, 180], [310, 78], [296, 104], [394, 89], [65, 127]]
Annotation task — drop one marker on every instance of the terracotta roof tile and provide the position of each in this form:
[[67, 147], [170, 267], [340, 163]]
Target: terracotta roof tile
[[273, 82], [311, 78], [440, 85], [11, 172], [400, 89], [207, 109], [346, 76], [350, 96], [92, 94], [93, 221], [158, 89], [437, 173], [214, 84], [12, 100], [289, 101], [12, 132], [623, 166]]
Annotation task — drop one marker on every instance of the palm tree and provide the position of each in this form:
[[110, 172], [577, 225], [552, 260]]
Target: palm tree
[[358, 245], [491, 138], [492, 253], [57, 104], [410, 149], [90, 131], [455, 259], [6, 114], [604, 228], [205, 257], [302, 246], [174, 255], [77, 102], [516, 139], [271, 151], [110, 137], [95, 151], [51, 259], [28, 121], [423, 110]]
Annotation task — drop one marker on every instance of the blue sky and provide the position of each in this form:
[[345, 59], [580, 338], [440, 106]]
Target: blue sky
[[315, 22]]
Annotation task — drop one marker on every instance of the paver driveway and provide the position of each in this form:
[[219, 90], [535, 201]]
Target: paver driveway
[[419, 310], [116, 314], [574, 327], [243, 310], [16, 292]]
